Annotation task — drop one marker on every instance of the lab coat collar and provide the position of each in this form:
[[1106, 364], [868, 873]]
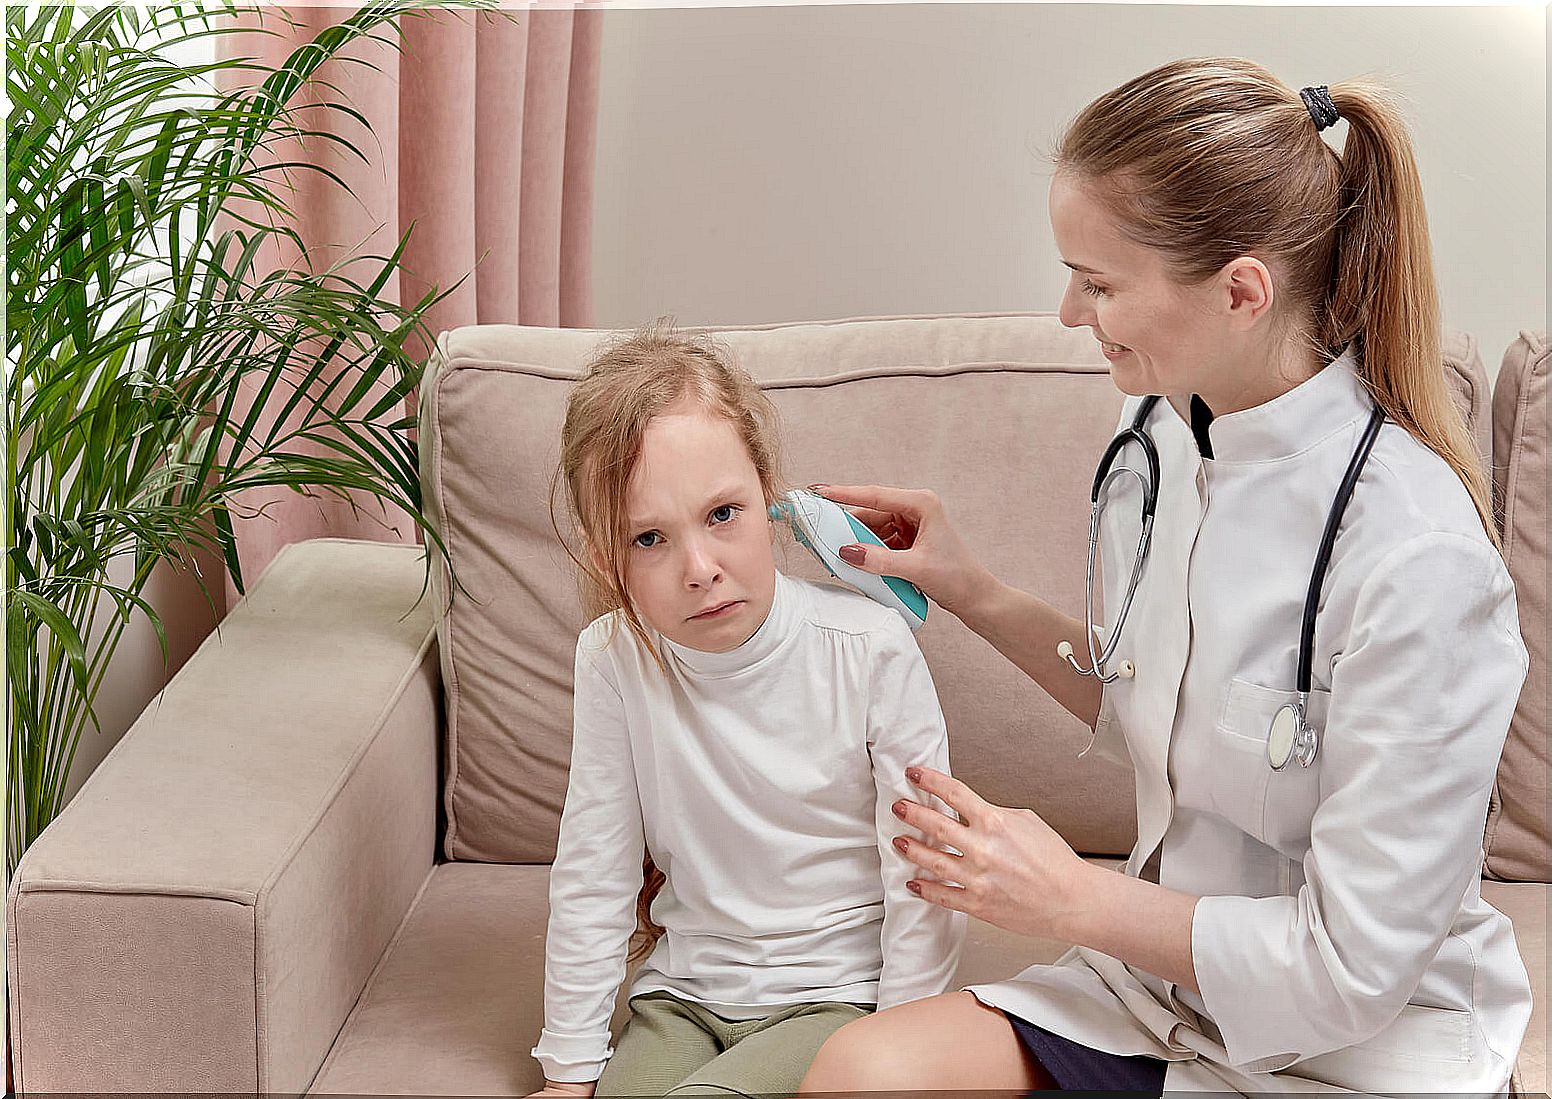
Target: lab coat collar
[[1309, 412]]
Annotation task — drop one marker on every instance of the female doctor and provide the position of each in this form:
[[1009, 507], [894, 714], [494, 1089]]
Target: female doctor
[[1302, 909]]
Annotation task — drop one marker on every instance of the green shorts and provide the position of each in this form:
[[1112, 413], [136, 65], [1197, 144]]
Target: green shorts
[[672, 1046]]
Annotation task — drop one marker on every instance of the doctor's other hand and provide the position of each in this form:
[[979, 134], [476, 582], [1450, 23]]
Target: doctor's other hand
[[553, 1090], [1013, 869], [922, 545]]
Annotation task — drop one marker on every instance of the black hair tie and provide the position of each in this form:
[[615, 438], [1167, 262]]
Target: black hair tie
[[1318, 102]]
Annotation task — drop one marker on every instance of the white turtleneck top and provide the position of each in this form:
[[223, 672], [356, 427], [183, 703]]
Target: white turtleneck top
[[760, 780]]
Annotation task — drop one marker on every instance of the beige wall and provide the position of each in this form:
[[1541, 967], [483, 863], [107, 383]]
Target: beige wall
[[771, 164]]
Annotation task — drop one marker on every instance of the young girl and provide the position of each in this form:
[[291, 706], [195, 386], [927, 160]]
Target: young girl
[[746, 732], [1285, 924]]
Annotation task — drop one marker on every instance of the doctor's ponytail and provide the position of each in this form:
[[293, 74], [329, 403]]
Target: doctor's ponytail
[[1208, 159], [1383, 292]]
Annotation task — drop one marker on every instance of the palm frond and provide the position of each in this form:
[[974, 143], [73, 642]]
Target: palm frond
[[155, 368]]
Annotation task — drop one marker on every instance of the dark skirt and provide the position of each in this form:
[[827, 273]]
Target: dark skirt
[[1076, 1067]]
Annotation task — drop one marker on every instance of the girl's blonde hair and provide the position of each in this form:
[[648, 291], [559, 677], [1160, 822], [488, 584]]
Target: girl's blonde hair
[[1209, 159], [626, 385]]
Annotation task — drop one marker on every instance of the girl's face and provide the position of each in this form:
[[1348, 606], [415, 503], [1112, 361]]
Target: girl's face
[[698, 554], [1160, 336]]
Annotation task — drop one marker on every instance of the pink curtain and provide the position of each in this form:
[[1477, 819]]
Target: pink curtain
[[482, 139]]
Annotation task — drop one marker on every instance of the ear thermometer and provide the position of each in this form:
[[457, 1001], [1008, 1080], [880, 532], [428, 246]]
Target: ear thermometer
[[823, 526]]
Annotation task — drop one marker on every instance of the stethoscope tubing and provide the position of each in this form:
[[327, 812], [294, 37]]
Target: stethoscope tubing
[[1104, 474], [1344, 493], [1098, 659], [1134, 434]]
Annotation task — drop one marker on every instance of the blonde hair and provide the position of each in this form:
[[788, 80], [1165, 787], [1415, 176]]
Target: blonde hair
[[1208, 159], [626, 385]]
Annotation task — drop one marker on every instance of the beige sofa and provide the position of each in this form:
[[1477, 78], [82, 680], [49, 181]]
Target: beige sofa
[[318, 861]]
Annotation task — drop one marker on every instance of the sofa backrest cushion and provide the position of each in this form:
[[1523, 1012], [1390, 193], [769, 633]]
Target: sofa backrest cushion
[[1472, 388], [1519, 837], [1004, 415]]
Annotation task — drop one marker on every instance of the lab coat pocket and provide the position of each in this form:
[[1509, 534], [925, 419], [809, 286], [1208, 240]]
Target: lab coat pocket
[[1273, 806], [1423, 1049]]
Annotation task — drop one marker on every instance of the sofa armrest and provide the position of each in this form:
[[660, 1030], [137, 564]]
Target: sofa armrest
[[204, 913]]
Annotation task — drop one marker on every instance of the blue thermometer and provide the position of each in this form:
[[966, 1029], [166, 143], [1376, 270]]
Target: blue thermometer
[[823, 526]]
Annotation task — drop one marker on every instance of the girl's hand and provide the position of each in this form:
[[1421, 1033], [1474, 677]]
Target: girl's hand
[[923, 546], [552, 1090], [1014, 870]]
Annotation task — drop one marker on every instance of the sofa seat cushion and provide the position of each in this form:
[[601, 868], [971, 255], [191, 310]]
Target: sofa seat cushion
[[457, 1000]]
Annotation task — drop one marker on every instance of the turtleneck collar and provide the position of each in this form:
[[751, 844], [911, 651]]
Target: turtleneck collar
[[1309, 412], [779, 627]]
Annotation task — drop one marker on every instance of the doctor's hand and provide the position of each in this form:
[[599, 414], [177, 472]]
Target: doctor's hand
[[1014, 870], [922, 545]]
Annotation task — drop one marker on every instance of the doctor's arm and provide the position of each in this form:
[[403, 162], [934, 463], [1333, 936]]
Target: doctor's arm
[[1015, 871], [922, 546], [1420, 705]]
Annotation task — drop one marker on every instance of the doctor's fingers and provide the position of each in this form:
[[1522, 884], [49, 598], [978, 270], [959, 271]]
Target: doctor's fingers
[[938, 863], [894, 558], [971, 807], [941, 894], [892, 530], [938, 827], [878, 521], [910, 502]]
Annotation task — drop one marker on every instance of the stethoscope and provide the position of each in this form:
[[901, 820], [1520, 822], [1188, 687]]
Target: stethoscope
[[1290, 736]]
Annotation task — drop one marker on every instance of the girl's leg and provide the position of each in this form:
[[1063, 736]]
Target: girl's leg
[[662, 1042], [945, 1042], [769, 1057]]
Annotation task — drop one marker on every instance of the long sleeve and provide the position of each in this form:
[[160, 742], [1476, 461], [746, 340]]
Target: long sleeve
[[594, 882], [1419, 708], [921, 941]]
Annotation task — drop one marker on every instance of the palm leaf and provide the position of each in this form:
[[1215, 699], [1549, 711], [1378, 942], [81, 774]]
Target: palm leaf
[[147, 350]]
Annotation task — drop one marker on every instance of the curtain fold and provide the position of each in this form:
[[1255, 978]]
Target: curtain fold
[[483, 129]]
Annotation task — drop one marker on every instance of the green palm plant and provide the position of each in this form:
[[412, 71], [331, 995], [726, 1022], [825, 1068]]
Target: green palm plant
[[156, 368]]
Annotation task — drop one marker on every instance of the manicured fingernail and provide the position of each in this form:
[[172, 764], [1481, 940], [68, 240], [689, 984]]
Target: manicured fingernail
[[853, 555], [913, 773], [913, 887], [819, 488], [899, 808], [900, 844]]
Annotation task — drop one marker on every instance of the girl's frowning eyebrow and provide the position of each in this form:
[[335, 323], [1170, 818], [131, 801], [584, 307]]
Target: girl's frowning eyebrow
[[727, 492], [1080, 267]]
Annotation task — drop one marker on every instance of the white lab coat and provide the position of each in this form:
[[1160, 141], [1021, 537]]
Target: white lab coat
[[1341, 943]]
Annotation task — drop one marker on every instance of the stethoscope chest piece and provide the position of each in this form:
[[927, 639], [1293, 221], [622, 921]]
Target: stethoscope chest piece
[[1290, 738]]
